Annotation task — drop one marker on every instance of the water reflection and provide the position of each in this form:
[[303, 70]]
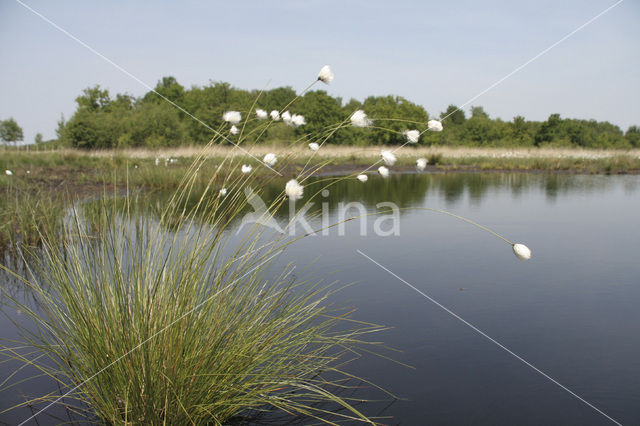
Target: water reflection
[[409, 190]]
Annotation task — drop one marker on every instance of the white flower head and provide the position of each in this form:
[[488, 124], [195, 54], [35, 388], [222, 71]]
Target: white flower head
[[388, 157], [360, 119], [384, 172], [223, 192], [314, 146], [246, 169], [434, 125], [421, 164], [8, 172], [521, 251], [325, 75], [363, 178], [232, 117], [157, 161], [286, 117], [270, 159], [411, 135], [293, 190], [261, 114], [275, 115], [28, 172], [233, 130], [298, 120]]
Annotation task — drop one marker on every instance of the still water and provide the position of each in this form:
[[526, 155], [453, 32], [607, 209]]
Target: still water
[[572, 311]]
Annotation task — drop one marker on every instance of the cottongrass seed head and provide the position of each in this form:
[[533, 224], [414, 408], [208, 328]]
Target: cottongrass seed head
[[246, 169], [270, 159], [363, 178], [223, 192], [388, 157], [232, 117], [325, 75], [521, 251], [314, 146], [233, 130], [261, 114], [360, 119], [286, 117], [8, 172], [421, 164], [293, 190], [412, 135], [275, 115], [384, 172], [298, 120], [434, 125]]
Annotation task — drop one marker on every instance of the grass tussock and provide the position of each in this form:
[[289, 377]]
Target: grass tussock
[[160, 319]]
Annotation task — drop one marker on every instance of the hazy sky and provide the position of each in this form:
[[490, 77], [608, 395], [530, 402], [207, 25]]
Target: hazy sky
[[433, 53]]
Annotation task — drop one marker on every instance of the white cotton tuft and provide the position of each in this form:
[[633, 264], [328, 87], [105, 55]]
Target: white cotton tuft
[[384, 172], [325, 75], [388, 157], [8, 172], [293, 190], [286, 117], [421, 164], [275, 115], [434, 126], [314, 146], [521, 251], [261, 114], [223, 192], [233, 130], [363, 178], [270, 159], [360, 119], [157, 161], [246, 169], [232, 117], [298, 120], [411, 135]]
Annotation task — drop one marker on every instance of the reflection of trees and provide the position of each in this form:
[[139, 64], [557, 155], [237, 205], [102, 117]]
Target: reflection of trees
[[405, 190]]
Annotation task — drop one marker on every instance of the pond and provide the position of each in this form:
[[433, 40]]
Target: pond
[[488, 339]]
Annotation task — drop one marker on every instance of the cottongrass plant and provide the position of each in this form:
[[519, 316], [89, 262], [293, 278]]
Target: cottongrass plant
[[169, 320], [162, 321]]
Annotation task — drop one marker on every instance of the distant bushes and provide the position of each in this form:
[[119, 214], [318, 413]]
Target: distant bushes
[[101, 121]]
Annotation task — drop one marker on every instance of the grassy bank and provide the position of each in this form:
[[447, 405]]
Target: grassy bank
[[87, 164]]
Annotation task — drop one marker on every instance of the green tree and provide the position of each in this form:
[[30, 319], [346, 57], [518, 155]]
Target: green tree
[[454, 115], [633, 136], [10, 131], [321, 112], [93, 99], [548, 130], [478, 112], [169, 88], [38, 139]]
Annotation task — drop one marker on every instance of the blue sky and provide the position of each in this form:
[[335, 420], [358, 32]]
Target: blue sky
[[433, 53]]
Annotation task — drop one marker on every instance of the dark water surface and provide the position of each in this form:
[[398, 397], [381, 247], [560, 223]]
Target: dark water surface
[[572, 311]]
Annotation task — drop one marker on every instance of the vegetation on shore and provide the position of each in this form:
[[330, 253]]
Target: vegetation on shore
[[102, 120]]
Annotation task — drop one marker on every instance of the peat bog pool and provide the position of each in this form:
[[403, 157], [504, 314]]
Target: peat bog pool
[[572, 311]]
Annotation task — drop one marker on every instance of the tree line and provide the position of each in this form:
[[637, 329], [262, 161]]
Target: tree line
[[104, 121]]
